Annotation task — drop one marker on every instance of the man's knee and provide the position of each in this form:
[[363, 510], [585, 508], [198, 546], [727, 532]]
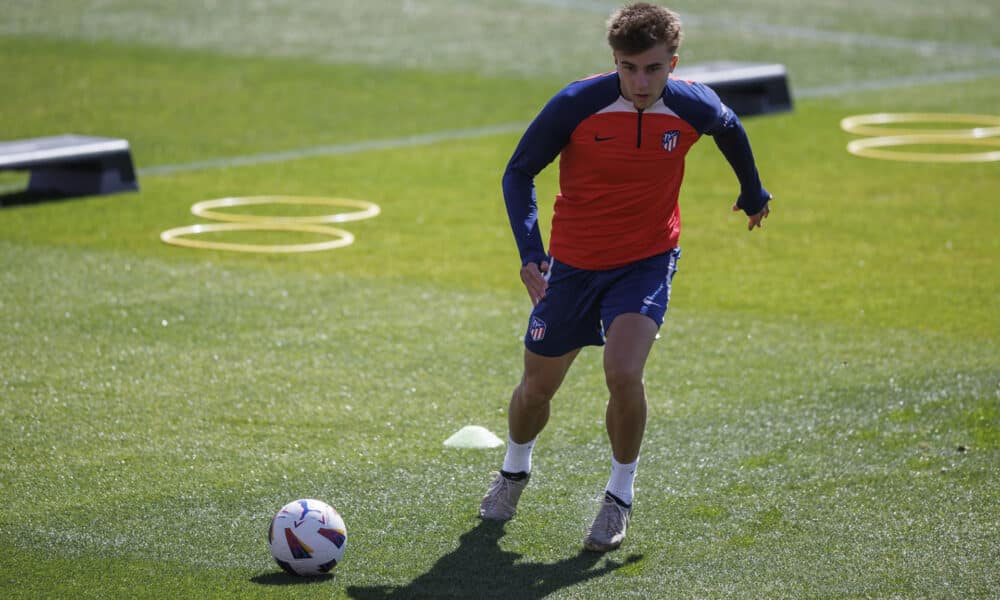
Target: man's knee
[[542, 377], [623, 379], [537, 391]]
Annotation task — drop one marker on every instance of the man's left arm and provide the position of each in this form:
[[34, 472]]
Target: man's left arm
[[732, 140]]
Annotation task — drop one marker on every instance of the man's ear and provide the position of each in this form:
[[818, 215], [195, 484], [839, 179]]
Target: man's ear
[[673, 62]]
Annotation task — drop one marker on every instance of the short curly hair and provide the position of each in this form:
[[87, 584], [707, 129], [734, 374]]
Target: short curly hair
[[635, 28]]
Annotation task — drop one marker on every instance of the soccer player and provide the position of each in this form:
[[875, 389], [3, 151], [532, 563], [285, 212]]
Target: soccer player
[[621, 138]]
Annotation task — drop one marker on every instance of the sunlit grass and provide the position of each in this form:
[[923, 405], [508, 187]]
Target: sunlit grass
[[823, 399]]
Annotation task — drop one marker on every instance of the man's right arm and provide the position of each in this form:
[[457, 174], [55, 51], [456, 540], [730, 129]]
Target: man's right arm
[[539, 146]]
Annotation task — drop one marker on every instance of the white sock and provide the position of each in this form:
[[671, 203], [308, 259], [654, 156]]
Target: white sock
[[518, 458], [622, 481]]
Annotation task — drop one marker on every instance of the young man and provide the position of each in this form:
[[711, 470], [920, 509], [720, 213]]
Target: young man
[[621, 138]]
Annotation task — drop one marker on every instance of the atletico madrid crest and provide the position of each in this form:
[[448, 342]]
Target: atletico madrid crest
[[536, 329], [670, 140]]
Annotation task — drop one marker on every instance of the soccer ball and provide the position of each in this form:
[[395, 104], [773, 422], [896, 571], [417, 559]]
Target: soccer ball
[[307, 537]]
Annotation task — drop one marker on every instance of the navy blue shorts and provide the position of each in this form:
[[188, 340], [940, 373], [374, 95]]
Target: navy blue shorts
[[579, 305]]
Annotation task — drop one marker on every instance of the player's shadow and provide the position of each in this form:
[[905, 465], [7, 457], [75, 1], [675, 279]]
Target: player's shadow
[[479, 568]]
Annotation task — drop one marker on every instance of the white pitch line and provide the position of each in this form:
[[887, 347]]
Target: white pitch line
[[314, 151], [333, 150]]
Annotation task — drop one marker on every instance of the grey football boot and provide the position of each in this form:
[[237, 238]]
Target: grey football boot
[[500, 501], [608, 529]]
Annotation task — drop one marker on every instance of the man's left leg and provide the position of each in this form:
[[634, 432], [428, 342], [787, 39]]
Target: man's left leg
[[629, 341]]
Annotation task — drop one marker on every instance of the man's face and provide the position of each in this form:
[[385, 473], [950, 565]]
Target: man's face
[[644, 75]]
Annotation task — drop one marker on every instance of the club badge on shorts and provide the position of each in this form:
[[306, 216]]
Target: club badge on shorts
[[536, 329]]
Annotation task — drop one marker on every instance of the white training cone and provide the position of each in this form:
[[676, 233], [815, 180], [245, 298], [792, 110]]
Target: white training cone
[[473, 436]]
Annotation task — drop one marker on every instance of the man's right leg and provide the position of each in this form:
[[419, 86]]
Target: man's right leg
[[526, 417], [529, 404]]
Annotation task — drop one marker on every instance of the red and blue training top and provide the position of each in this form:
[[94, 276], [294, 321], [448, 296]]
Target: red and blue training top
[[620, 170]]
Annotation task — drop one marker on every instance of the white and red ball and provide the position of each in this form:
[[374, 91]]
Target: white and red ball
[[307, 537]]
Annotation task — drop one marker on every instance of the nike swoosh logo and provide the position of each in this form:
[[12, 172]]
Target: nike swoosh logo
[[598, 138], [649, 302]]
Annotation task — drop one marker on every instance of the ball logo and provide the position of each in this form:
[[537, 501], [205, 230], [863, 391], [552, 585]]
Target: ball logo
[[334, 535], [298, 548], [305, 511]]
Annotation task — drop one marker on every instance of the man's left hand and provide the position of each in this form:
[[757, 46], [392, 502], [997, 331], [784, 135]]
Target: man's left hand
[[756, 220]]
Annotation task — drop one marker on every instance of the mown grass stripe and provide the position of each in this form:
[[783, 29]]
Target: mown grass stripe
[[878, 85], [809, 34], [837, 89]]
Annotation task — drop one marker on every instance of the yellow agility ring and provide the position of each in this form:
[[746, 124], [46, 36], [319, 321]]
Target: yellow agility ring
[[246, 222], [175, 237], [987, 134], [861, 124], [869, 147], [367, 209]]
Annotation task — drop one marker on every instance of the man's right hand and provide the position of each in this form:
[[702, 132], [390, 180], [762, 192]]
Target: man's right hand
[[535, 278]]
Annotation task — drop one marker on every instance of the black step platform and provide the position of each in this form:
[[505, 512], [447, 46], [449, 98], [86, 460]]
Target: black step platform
[[71, 165], [747, 88]]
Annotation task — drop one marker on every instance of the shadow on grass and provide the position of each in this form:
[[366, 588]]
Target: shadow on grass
[[479, 568], [282, 578], [22, 197]]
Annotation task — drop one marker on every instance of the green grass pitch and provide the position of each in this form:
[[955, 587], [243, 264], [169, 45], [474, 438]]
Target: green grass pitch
[[824, 401]]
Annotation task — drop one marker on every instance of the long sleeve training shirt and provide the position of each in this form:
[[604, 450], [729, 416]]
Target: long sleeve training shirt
[[620, 170]]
